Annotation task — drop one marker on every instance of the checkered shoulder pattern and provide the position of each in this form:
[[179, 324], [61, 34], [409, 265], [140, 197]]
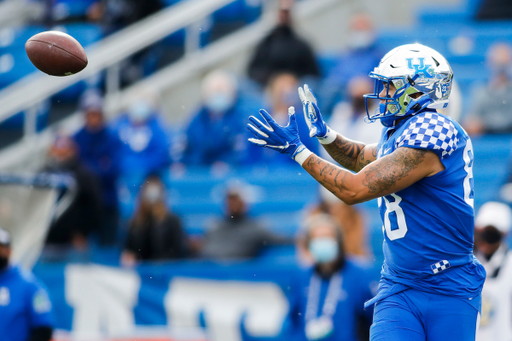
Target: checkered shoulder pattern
[[430, 131]]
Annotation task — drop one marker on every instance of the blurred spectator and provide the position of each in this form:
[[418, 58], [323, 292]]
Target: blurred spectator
[[494, 10], [215, 135], [145, 147], [281, 94], [237, 235], [25, 308], [84, 213], [359, 59], [348, 117], [117, 14], [334, 289], [98, 150], [283, 51], [492, 226], [155, 232], [490, 112], [348, 218]]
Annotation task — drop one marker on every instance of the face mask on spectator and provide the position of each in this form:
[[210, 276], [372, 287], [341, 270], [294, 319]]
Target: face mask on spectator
[[361, 39], [323, 250], [219, 102], [140, 111], [153, 193]]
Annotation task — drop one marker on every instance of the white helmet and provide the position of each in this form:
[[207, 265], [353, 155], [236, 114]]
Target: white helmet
[[412, 68]]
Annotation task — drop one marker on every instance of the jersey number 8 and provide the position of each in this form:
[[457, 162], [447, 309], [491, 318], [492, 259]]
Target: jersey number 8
[[394, 206]]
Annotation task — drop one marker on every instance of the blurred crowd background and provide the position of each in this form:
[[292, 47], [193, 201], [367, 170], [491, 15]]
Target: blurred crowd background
[[177, 184]]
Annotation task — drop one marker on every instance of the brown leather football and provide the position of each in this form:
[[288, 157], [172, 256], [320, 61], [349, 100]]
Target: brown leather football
[[56, 53]]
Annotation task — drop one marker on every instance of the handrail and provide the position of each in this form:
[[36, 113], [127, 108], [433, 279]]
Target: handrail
[[30, 151], [16, 12], [33, 89]]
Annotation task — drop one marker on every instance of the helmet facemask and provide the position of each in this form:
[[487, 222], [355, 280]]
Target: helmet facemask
[[396, 105]]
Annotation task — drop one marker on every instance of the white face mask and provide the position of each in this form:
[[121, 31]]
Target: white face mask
[[361, 39], [219, 102], [153, 193], [324, 249], [140, 111]]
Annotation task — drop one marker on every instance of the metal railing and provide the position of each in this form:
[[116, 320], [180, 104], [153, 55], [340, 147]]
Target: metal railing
[[27, 93], [29, 152]]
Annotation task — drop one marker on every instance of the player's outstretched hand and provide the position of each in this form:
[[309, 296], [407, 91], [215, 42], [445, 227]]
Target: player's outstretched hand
[[269, 134], [317, 127]]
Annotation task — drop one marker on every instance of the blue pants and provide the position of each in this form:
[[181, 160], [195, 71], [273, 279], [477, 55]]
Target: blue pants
[[413, 315]]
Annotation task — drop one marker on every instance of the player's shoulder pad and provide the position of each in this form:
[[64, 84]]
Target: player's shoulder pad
[[431, 131]]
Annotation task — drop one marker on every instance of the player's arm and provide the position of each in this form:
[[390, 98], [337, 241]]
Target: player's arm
[[350, 154], [387, 175]]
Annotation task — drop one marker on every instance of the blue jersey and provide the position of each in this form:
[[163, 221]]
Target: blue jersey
[[24, 305], [428, 226]]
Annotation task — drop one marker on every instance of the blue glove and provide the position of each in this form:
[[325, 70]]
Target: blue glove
[[269, 134], [317, 126]]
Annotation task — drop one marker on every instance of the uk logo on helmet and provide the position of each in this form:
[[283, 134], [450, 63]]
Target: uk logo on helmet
[[421, 69]]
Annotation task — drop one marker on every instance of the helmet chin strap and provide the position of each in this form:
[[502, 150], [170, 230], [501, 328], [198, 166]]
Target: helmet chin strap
[[414, 107], [418, 104]]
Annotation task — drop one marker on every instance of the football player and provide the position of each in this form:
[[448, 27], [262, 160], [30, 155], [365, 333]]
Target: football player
[[421, 171]]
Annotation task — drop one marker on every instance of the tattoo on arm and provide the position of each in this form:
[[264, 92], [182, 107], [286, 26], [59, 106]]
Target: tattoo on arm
[[363, 160], [381, 177], [345, 152], [328, 175]]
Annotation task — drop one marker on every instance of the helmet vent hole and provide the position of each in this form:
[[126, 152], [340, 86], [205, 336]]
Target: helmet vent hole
[[437, 63], [415, 51], [392, 66]]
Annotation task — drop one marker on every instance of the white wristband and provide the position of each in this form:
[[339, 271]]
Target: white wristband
[[301, 156], [329, 137]]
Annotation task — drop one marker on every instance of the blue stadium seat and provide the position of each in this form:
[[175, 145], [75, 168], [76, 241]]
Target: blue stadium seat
[[16, 122], [85, 33], [239, 11], [14, 38], [492, 166], [170, 2], [65, 9], [13, 66], [327, 61], [461, 13], [198, 197]]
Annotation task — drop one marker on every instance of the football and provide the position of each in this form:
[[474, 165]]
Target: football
[[56, 53]]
